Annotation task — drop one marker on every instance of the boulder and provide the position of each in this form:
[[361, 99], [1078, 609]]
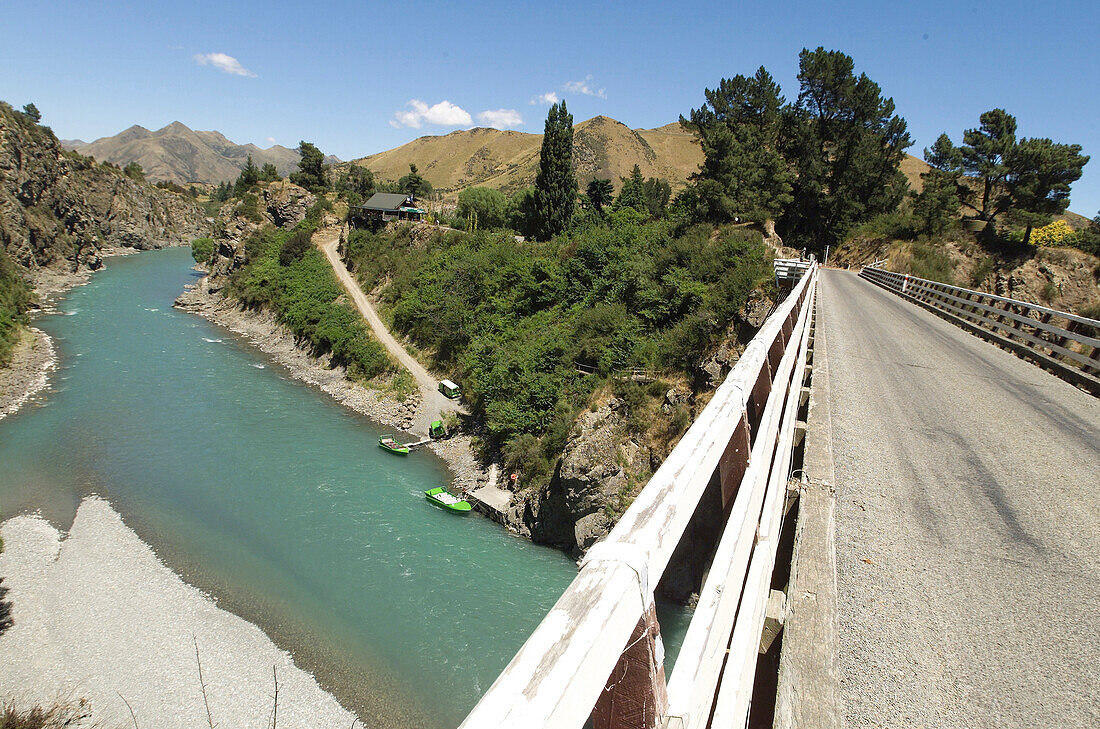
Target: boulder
[[286, 204]]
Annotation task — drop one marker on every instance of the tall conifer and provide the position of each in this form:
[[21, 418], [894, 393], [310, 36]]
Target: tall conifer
[[555, 185]]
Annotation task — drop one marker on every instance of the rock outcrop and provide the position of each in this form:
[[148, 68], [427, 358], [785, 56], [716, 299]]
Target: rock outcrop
[[59, 210], [595, 478], [282, 204]]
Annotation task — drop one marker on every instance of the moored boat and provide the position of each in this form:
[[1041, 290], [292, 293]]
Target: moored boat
[[390, 444], [442, 497]]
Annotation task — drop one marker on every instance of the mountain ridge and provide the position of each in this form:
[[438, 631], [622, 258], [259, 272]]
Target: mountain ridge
[[480, 156], [508, 159], [177, 153]]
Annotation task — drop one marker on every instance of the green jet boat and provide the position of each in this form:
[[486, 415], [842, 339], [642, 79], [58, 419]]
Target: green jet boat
[[443, 497], [390, 444]]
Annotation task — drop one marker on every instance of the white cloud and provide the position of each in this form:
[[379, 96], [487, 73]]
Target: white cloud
[[584, 87], [548, 98], [223, 62], [443, 114], [271, 140], [500, 118]]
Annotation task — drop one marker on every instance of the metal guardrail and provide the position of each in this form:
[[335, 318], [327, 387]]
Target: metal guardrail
[[598, 652], [1060, 341]]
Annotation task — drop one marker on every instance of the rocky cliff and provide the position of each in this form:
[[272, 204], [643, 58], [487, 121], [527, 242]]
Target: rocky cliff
[[281, 204], [60, 210], [615, 446], [1062, 278]]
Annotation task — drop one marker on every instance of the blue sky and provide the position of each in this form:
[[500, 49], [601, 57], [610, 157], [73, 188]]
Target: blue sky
[[347, 75]]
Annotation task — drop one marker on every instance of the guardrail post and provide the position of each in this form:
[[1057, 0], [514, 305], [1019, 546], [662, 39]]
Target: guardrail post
[[735, 459], [636, 694]]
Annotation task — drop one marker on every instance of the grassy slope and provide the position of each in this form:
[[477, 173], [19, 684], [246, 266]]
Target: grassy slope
[[509, 159]]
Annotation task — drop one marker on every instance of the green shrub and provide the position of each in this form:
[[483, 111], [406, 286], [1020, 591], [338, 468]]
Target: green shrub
[[248, 208], [982, 270], [899, 224], [134, 172], [482, 208], [511, 319], [304, 294], [524, 457], [295, 247], [931, 262], [202, 249], [15, 299]]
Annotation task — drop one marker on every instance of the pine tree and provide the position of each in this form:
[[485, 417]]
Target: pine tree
[[847, 144], [600, 194], [632, 192], [250, 175], [555, 185], [938, 201], [996, 175], [311, 168], [657, 193], [1040, 173], [984, 151], [414, 183], [744, 174]]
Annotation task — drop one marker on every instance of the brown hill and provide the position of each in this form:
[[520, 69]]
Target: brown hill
[[508, 160], [180, 154]]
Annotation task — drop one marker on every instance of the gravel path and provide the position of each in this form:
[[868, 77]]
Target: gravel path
[[432, 402], [968, 538], [97, 616]]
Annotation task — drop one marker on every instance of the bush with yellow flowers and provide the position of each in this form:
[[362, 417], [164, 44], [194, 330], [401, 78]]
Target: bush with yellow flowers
[[1055, 234]]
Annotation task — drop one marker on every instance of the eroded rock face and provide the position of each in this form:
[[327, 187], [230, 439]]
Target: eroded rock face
[[286, 204], [591, 482], [282, 204], [714, 369], [60, 211]]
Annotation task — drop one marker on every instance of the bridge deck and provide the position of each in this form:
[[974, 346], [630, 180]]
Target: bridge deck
[[968, 525]]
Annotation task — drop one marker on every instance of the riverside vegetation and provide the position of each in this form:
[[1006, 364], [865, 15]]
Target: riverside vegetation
[[535, 330], [629, 307]]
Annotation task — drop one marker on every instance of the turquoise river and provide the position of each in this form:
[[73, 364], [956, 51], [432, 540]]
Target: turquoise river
[[275, 500]]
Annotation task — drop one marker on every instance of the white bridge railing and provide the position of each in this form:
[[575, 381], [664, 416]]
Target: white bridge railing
[[598, 652], [1064, 342]]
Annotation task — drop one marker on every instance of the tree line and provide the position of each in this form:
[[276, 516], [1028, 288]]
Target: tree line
[[812, 169]]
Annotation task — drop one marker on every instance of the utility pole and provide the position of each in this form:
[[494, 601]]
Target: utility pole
[[826, 261]]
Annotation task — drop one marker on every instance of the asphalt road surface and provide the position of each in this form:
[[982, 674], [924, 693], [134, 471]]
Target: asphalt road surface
[[968, 523]]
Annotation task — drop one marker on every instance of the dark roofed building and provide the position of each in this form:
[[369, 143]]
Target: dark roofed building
[[387, 206]]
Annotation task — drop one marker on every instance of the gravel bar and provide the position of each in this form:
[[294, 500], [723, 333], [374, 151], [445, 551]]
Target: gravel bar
[[99, 617]]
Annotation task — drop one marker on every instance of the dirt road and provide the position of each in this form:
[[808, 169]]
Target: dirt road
[[432, 402]]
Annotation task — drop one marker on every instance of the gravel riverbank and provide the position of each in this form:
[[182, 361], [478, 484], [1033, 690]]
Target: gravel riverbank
[[99, 617], [29, 371], [262, 330]]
